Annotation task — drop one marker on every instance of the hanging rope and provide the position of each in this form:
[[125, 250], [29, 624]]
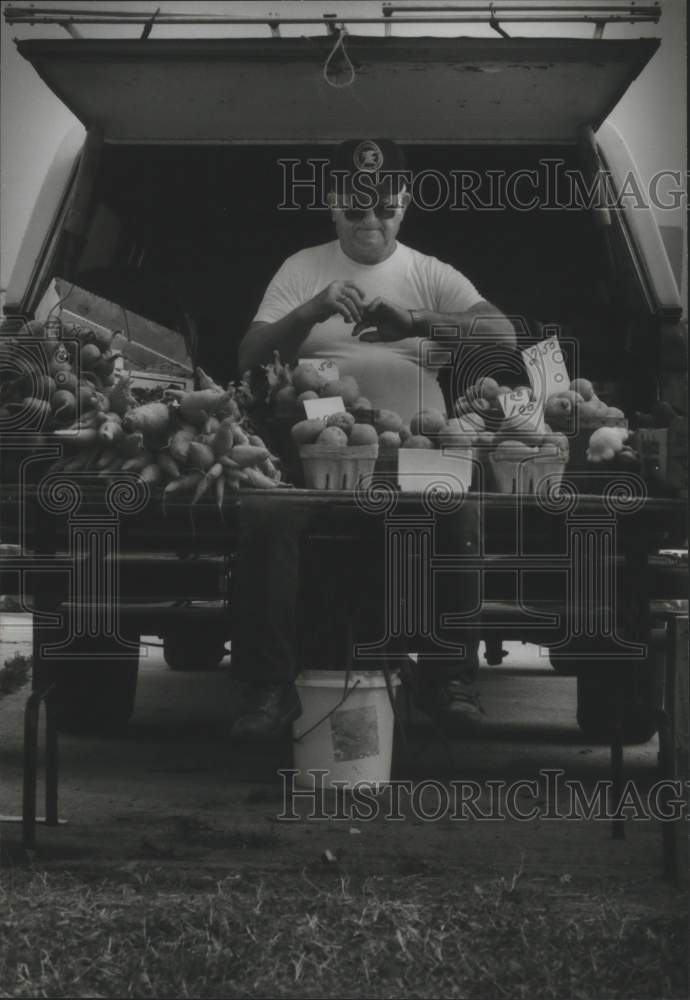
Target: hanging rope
[[339, 44]]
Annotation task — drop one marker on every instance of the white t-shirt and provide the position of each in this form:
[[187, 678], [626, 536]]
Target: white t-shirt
[[399, 375]]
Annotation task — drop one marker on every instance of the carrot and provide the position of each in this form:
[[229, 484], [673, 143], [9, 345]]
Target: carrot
[[239, 436], [86, 420], [248, 454], [111, 432], [188, 482], [138, 462], [189, 429], [211, 426], [232, 478], [178, 445], [198, 419], [151, 418], [206, 481], [105, 458], [114, 465], [227, 462], [39, 407], [151, 474], [220, 493], [168, 466], [269, 469], [200, 456], [229, 409], [224, 439], [131, 445], [191, 404], [59, 464], [256, 441], [258, 480], [82, 436], [83, 460]]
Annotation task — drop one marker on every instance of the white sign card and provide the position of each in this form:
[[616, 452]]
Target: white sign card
[[419, 468], [319, 409], [515, 402], [523, 410], [326, 368], [546, 368]]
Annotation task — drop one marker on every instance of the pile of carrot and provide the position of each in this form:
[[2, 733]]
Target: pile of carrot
[[196, 442]]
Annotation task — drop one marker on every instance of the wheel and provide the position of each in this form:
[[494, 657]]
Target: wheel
[[194, 650], [596, 693], [91, 693]]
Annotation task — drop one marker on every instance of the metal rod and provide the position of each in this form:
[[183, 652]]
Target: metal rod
[[51, 764], [616, 8], [531, 8], [43, 15], [671, 830], [33, 704], [618, 824]]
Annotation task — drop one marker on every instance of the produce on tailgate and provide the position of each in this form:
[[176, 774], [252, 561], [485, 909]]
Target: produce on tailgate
[[197, 442]]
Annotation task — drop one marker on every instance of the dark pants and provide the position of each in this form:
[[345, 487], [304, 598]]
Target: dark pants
[[303, 602]]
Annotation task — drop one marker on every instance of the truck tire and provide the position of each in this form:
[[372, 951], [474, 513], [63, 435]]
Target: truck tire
[[92, 694], [596, 692], [193, 650]]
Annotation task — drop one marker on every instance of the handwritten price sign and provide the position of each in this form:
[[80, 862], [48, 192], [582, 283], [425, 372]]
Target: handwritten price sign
[[524, 410], [324, 366], [546, 368], [319, 409], [514, 402]]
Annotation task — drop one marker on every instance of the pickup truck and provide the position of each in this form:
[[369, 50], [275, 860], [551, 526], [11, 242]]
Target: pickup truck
[[197, 171]]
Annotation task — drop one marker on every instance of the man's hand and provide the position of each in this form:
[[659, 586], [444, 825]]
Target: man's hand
[[383, 321], [342, 298]]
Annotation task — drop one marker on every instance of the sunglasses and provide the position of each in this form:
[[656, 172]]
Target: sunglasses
[[380, 211]]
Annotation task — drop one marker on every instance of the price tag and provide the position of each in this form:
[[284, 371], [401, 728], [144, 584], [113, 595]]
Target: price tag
[[516, 401], [546, 368], [319, 409], [526, 412], [326, 368]]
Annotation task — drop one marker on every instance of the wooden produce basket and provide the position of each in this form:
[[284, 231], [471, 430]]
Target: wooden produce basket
[[327, 468], [521, 475]]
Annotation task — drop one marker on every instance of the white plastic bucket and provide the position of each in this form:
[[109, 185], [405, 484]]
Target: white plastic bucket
[[352, 741]]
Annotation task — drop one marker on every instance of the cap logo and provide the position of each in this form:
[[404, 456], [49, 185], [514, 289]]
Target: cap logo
[[368, 156]]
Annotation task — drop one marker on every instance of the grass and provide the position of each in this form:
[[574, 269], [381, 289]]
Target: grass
[[145, 931], [14, 674]]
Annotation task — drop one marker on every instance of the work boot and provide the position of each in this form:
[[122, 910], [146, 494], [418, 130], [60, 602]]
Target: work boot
[[450, 700], [269, 709]]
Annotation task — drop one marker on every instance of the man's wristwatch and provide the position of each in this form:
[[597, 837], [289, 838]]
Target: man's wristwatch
[[416, 323]]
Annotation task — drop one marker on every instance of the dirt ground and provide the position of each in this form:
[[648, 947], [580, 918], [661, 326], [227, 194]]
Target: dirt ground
[[170, 835], [176, 791]]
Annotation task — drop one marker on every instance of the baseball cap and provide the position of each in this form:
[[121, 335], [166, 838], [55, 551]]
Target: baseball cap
[[363, 166]]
